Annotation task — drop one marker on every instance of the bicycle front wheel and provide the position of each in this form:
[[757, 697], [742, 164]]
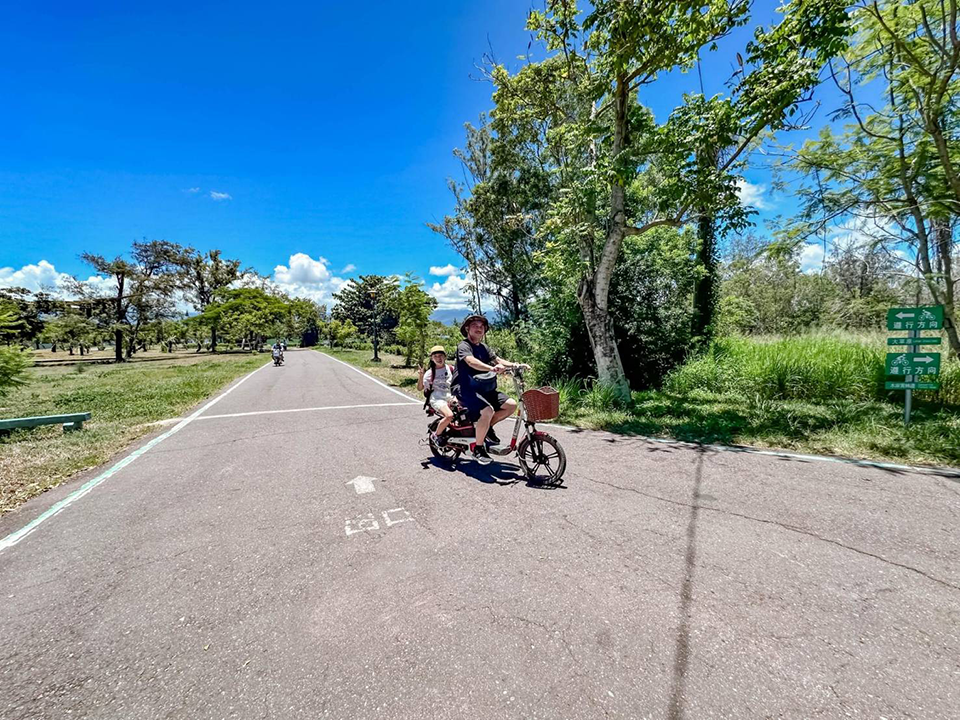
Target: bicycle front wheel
[[542, 458]]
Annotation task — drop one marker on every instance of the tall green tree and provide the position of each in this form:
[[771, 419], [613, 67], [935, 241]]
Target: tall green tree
[[414, 307], [144, 289], [896, 164], [306, 317], [370, 303], [620, 173], [497, 214], [246, 315], [203, 276]]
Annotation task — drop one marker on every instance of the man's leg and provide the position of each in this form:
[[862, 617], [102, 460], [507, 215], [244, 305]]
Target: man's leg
[[507, 409], [483, 424]]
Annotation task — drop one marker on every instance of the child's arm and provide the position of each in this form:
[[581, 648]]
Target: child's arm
[[424, 384]]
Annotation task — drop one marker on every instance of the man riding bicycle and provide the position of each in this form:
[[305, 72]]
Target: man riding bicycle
[[477, 370]]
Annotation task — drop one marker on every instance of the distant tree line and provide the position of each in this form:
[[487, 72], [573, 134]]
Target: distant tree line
[[173, 297]]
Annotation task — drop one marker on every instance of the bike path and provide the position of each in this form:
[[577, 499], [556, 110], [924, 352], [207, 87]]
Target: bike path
[[215, 577]]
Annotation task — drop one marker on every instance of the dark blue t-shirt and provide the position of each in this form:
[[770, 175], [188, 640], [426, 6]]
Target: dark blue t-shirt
[[467, 375]]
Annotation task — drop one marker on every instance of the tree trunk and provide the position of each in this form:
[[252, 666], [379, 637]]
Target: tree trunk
[[943, 237], [594, 290], [118, 345], [213, 339], [603, 341], [705, 289], [71, 350]]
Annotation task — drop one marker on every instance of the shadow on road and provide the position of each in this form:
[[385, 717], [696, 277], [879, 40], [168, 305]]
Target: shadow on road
[[681, 657], [496, 473]]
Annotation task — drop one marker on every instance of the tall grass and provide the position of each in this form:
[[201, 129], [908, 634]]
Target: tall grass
[[811, 367]]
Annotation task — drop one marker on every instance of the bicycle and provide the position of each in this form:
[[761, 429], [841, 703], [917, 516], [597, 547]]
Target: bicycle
[[537, 451]]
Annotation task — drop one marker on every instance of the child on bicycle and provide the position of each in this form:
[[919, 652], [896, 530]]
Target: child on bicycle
[[437, 380]]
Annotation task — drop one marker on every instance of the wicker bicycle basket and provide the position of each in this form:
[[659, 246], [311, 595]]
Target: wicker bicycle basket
[[542, 404]]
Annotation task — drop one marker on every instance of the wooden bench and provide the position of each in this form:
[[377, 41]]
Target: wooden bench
[[71, 422]]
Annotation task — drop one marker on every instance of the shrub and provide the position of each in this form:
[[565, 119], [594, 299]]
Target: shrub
[[808, 367], [13, 364]]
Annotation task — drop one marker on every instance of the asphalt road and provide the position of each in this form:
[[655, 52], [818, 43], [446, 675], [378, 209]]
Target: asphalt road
[[232, 572]]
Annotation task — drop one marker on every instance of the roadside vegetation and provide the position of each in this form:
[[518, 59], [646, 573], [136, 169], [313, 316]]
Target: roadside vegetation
[[125, 400]]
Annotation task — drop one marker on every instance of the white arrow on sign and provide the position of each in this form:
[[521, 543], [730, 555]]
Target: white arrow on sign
[[903, 315], [924, 359], [362, 484]]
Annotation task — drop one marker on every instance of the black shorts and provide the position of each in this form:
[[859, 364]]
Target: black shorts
[[476, 402]]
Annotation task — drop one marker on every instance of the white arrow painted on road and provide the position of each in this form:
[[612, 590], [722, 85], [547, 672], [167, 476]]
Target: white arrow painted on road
[[903, 315], [362, 484]]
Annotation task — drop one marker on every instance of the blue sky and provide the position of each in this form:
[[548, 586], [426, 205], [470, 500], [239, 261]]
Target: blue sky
[[280, 133]]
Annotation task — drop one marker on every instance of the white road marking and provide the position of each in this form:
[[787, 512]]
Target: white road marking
[[368, 523], [294, 410], [370, 377], [390, 521], [15, 537], [365, 523], [362, 484]]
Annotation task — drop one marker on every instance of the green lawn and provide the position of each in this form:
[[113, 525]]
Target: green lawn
[[858, 428], [124, 400]]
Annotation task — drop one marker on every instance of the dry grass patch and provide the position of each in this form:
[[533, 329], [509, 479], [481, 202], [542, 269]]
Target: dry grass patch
[[124, 401]]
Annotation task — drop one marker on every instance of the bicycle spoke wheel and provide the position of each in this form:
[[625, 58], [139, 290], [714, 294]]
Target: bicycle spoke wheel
[[542, 458]]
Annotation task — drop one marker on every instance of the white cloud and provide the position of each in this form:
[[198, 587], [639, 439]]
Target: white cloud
[[751, 195], [445, 271], [307, 278], [44, 277], [303, 269], [192, 190], [349, 268], [450, 293], [811, 258], [218, 196]]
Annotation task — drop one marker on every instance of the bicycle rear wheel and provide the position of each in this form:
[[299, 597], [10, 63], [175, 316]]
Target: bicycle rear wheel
[[542, 458], [446, 452]]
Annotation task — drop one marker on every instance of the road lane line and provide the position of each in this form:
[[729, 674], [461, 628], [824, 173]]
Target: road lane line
[[15, 537], [295, 410], [370, 377]]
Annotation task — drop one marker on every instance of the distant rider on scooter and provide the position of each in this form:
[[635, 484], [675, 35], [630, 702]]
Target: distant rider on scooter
[[477, 370]]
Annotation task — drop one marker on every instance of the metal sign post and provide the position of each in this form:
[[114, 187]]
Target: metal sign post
[[912, 369], [908, 395]]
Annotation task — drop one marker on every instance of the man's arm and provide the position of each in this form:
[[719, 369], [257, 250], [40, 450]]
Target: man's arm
[[477, 365]]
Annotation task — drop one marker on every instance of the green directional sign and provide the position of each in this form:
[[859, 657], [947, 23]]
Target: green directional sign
[[914, 341], [915, 318], [911, 385], [916, 364]]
